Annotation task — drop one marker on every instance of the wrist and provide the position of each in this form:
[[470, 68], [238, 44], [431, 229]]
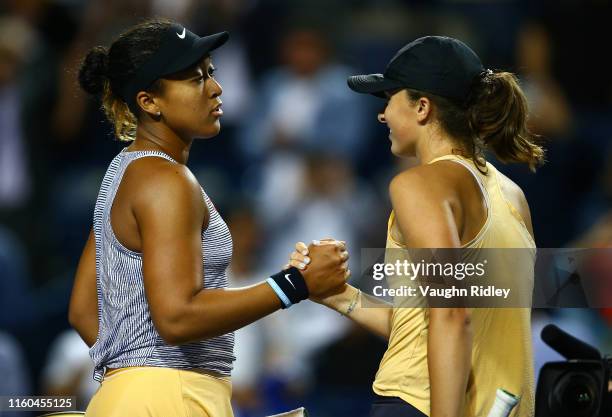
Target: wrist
[[290, 286], [341, 301]]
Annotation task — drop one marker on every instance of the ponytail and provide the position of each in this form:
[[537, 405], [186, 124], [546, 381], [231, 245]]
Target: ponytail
[[494, 117], [497, 116], [119, 114], [93, 78]]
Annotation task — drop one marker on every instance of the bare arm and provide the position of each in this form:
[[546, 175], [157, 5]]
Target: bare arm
[[426, 221], [368, 312], [170, 213], [449, 355], [83, 311]]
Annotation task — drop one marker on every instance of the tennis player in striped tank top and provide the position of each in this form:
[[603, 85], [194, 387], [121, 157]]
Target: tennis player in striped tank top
[[445, 109], [150, 295]]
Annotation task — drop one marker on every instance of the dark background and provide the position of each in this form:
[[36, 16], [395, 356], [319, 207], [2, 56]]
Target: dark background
[[299, 157]]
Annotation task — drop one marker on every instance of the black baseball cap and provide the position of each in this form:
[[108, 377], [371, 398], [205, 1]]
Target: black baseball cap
[[180, 49], [438, 65]]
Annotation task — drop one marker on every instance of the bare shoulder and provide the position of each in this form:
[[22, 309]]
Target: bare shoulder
[[419, 197], [511, 191], [439, 181], [156, 183], [427, 179], [516, 197]]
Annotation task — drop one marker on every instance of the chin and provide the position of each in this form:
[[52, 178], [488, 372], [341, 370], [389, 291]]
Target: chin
[[211, 131]]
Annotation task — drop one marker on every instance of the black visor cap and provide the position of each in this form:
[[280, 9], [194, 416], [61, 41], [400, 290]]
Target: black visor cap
[[375, 84], [179, 50], [435, 64], [201, 48]]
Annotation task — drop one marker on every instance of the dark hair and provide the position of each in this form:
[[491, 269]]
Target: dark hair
[[493, 117], [106, 71]]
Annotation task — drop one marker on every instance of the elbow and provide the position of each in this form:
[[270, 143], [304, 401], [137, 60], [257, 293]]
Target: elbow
[[178, 324], [171, 332], [172, 338], [176, 331], [174, 334]]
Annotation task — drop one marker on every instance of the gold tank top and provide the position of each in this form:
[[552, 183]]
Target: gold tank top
[[501, 351]]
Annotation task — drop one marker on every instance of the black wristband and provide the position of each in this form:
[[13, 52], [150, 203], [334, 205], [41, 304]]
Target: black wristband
[[292, 283]]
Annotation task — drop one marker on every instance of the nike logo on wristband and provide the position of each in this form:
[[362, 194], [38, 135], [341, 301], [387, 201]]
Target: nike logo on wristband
[[181, 35], [287, 278]]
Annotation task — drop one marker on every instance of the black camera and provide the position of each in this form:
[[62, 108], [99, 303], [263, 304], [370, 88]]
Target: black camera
[[578, 387]]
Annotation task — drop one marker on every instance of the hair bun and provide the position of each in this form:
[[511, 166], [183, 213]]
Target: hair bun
[[94, 70]]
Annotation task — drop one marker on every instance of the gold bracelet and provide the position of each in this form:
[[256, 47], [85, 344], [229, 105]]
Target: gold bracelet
[[353, 303]]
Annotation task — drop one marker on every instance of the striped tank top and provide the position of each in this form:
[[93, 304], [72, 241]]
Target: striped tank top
[[502, 354], [126, 333]]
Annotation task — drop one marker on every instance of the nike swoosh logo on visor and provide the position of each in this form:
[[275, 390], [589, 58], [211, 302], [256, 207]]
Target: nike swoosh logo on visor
[[287, 278], [182, 35]]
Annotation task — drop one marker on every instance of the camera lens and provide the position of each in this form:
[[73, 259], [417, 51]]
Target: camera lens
[[575, 395]]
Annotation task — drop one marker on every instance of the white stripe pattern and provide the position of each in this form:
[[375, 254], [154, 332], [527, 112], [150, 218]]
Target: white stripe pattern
[[126, 334]]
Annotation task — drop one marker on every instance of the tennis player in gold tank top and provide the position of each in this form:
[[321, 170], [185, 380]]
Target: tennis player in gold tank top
[[501, 345], [444, 108]]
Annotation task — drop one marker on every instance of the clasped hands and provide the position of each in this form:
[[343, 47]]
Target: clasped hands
[[324, 266]]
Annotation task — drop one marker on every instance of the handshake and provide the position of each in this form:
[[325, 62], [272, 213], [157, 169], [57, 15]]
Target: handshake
[[324, 266]]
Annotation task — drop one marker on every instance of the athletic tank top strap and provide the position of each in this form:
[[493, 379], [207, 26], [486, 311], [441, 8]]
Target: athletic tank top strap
[[133, 155]]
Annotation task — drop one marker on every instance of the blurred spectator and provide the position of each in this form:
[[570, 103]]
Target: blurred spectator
[[599, 235], [231, 61], [570, 107], [14, 372], [179, 10], [250, 341], [569, 57], [209, 159], [305, 133], [344, 372], [273, 355], [331, 202], [18, 308], [597, 213], [69, 369], [304, 104], [17, 39], [549, 105]]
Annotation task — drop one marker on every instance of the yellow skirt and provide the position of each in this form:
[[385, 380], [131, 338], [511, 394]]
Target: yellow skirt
[[163, 392]]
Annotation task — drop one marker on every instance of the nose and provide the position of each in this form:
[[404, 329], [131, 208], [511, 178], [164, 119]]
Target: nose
[[381, 117], [215, 88]]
